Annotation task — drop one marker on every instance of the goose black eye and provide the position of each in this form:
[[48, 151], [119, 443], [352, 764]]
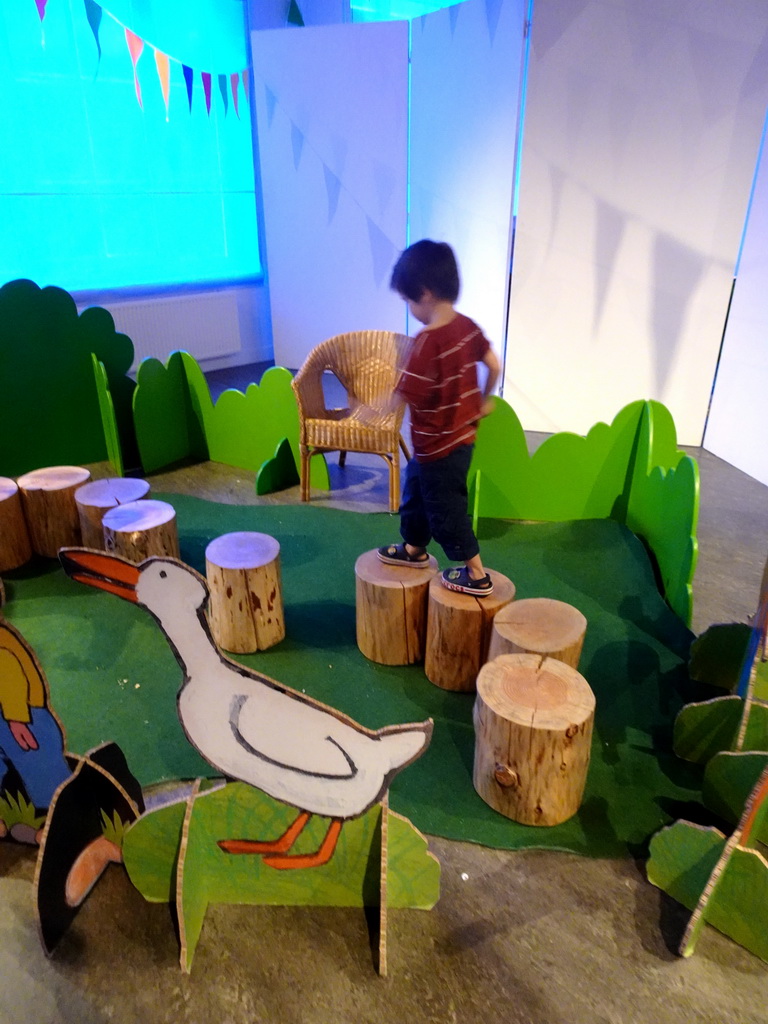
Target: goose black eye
[[163, 574]]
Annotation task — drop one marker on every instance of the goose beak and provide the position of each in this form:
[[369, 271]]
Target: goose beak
[[107, 572]]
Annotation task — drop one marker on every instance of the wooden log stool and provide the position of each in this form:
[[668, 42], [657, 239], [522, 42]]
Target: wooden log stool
[[391, 609], [15, 545], [141, 529], [533, 733], [459, 631], [539, 625], [94, 499], [48, 497], [246, 604]]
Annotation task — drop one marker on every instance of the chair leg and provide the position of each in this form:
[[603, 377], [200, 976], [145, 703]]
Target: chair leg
[[342, 459], [304, 473], [394, 481], [406, 452]]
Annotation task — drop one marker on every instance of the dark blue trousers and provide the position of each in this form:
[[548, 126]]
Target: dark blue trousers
[[434, 504]]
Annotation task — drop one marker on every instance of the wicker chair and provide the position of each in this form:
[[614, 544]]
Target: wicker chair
[[367, 363]]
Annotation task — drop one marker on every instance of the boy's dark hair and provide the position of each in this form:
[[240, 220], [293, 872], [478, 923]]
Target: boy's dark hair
[[426, 265]]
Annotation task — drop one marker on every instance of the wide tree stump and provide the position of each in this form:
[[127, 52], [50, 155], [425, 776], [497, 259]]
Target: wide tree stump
[[48, 497], [15, 545], [533, 732], [391, 609], [141, 529], [93, 500], [539, 625], [246, 604], [459, 631]]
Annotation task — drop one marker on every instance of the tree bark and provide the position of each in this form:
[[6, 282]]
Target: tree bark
[[93, 500], [48, 497], [15, 546], [391, 609], [141, 529]]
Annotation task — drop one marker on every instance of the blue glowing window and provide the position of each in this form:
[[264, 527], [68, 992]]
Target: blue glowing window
[[99, 190]]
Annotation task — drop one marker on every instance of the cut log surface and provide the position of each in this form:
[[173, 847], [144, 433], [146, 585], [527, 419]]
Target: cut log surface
[[48, 497], [533, 732], [141, 529], [15, 545], [96, 498], [246, 604], [391, 609], [539, 625], [459, 631]]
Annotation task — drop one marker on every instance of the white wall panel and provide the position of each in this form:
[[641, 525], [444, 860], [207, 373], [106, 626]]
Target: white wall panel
[[738, 422], [466, 64], [331, 108], [642, 130]]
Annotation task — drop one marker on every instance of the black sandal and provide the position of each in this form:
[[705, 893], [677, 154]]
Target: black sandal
[[459, 579], [396, 554]]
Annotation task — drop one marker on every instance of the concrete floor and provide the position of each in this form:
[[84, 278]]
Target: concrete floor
[[535, 937]]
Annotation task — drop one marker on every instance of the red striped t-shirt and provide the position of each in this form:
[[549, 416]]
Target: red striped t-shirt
[[440, 385]]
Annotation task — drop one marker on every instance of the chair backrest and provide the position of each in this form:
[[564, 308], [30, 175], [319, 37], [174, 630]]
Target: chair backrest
[[367, 363]]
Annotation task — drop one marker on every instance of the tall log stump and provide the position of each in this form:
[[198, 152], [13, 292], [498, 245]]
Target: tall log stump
[[533, 732], [539, 625], [459, 631], [15, 545], [141, 529], [93, 500], [246, 605], [48, 497], [391, 609]]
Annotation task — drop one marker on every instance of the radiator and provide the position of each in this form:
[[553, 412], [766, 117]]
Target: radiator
[[205, 324]]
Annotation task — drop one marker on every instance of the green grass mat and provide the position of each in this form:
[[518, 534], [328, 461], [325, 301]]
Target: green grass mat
[[113, 677]]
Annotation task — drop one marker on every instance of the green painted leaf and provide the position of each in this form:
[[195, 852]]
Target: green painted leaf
[[278, 472], [704, 729], [682, 857], [717, 655]]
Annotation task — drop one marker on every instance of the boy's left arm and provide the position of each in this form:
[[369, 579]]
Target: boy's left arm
[[492, 364]]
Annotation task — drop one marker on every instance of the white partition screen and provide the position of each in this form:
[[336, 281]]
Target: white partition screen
[[642, 130], [738, 420], [466, 77], [331, 107]]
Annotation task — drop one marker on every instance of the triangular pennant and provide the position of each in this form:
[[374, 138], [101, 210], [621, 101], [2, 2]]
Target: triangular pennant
[[206, 77], [246, 77], [93, 14], [189, 80], [453, 14], [234, 84], [224, 90], [333, 189], [271, 104], [383, 252], [294, 15], [135, 47], [297, 141], [41, 8], [492, 15], [164, 74], [385, 181]]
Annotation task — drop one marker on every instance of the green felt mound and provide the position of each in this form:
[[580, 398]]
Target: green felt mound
[[112, 675]]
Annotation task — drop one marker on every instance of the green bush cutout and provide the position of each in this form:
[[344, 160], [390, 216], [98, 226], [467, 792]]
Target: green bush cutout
[[51, 411]]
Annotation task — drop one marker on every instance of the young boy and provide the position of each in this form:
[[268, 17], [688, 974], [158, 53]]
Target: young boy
[[440, 385]]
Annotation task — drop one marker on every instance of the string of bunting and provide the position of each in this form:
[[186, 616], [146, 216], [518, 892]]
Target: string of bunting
[[228, 84]]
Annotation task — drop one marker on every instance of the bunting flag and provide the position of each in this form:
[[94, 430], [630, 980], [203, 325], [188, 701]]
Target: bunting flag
[[227, 82], [93, 14], [189, 81], [234, 82], [333, 190], [135, 47], [163, 66], [206, 77], [224, 90]]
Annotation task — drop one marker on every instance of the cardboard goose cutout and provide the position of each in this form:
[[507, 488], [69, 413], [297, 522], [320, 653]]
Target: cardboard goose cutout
[[250, 727]]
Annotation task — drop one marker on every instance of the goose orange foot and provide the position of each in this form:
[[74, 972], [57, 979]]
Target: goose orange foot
[[277, 849]]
